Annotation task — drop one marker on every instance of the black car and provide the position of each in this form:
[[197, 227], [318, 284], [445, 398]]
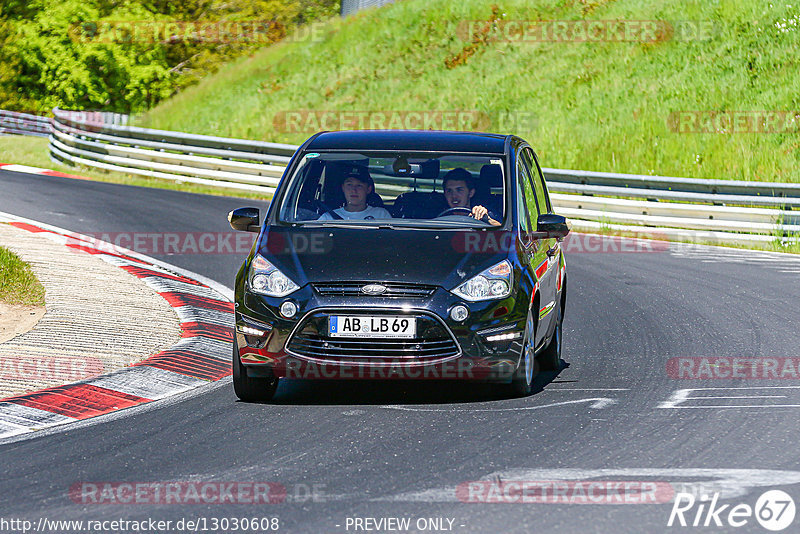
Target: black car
[[402, 254]]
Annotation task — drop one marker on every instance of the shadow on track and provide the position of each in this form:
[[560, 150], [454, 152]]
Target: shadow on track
[[378, 392]]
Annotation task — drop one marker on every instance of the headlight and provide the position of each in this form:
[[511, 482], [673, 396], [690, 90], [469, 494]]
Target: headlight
[[493, 283], [266, 279]]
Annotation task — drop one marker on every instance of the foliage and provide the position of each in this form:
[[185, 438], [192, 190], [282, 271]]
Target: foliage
[[603, 106], [79, 54]]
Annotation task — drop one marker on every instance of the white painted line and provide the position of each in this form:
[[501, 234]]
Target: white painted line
[[744, 397], [550, 388], [23, 168], [682, 396], [597, 403]]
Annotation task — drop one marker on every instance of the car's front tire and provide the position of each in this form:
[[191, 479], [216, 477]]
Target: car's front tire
[[522, 381], [550, 357], [248, 388]]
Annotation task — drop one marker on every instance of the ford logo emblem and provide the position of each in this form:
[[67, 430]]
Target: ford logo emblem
[[373, 289]]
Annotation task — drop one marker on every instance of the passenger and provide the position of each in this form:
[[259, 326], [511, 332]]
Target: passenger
[[357, 187], [459, 188]]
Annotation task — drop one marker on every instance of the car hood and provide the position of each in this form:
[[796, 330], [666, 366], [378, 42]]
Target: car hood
[[437, 257]]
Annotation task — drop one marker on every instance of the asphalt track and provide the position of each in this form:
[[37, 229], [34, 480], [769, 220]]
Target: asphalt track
[[400, 449]]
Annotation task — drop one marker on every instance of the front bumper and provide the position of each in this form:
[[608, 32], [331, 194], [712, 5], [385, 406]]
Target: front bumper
[[485, 346]]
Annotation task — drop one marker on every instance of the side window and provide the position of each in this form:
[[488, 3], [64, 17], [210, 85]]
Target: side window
[[526, 202], [534, 208], [522, 213], [542, 198]]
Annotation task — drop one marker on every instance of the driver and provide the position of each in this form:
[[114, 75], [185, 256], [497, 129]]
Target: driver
[[459, 188], [357, 187]]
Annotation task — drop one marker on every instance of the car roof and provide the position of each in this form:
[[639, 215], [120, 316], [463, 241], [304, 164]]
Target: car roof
[[416, 140]]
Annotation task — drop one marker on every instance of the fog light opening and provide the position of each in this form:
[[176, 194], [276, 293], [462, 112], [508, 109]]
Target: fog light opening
[[288, 309], [459, 313]]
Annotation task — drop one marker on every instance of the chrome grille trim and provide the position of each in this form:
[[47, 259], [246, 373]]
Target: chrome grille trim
[[393, 289]]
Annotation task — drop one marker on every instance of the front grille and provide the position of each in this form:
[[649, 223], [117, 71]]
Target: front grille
[[326, 348], [433, 343], [393, 289]]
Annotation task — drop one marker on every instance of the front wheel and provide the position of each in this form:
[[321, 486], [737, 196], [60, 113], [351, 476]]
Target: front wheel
[[522, 381], [550, 358], [248, 388]]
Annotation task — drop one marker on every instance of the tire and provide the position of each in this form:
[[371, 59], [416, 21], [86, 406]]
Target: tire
[[522, 382], [248, 388], [550, 358]]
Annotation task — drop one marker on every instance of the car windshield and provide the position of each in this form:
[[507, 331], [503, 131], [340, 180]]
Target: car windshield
[[401, 189]]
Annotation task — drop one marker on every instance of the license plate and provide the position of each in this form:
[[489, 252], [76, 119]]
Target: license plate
[[372, 326]]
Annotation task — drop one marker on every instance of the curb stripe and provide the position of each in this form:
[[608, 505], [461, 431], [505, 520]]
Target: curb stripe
[[28, 227], [191, 314], [147, 382], [141, 272], [176, 300], [203, 353], [213, 331], [79, 401], [162, 285], [92, 250], [189, 363]]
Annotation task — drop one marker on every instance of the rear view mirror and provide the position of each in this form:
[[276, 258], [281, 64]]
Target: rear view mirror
[[244, 219], [552, 225]]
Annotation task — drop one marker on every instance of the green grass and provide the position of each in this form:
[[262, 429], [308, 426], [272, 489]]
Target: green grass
[[597, 106], [32, 151], [18, 284]]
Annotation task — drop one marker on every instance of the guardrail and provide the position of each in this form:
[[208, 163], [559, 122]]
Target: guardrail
[[15, 123], [723, 211]]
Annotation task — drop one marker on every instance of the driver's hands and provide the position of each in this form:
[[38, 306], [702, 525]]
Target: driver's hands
[[479, 212]]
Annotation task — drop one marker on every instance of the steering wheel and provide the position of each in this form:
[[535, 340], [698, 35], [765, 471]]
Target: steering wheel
[[449, 211]]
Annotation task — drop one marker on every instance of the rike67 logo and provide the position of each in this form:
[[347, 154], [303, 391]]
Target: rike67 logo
[[774, 510]]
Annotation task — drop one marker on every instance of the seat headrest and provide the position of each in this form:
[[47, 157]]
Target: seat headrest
[[492, 175]]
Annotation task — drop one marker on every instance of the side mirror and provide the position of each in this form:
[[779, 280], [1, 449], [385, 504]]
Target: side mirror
[[552, 225], [244, 219]]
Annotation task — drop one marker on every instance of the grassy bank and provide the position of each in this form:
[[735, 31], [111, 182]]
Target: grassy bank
[[18, 284], [603, 106]]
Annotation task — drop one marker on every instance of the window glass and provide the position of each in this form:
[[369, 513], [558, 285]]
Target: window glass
[[522, 209], [538, 183], [530, 196], [406, 188]]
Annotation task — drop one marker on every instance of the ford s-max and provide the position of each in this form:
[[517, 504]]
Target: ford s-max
[[402, 255]]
